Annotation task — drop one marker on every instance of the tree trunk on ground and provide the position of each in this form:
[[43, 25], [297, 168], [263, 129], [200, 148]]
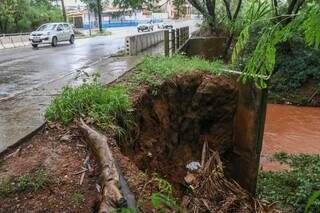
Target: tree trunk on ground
[[112, 196]]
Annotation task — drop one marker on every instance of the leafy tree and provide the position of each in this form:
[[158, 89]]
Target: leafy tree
[[96, 6], [25, 15], [255, 50], [180, 6]]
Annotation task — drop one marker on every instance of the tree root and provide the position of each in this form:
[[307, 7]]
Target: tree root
[[115, 192]]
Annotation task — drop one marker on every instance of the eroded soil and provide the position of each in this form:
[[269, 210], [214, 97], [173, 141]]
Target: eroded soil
[[59, 154], [174, 123]]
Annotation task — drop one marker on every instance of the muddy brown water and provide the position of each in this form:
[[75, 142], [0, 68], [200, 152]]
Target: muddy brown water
[[292, 129]]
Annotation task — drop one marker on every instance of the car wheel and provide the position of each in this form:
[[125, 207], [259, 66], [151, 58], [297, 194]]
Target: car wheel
[[54, 42], [71, 39], [34, 45]]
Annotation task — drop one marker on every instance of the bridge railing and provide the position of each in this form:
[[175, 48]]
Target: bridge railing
[[13, 40], [173, 39], [137, 43]]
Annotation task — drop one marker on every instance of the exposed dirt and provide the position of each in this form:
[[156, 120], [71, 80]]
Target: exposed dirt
[[60, 154], [173, 124]]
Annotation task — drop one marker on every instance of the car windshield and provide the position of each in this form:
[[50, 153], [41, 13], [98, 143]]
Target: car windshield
[[46, 27]]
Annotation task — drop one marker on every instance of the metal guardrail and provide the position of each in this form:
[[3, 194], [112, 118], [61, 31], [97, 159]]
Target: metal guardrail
[[13, 40]]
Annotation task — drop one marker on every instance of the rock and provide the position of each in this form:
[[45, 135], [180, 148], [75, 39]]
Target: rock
[[193, 166], [66, 138], [189, 178]]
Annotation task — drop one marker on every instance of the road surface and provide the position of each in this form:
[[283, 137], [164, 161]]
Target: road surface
[[30, 77]]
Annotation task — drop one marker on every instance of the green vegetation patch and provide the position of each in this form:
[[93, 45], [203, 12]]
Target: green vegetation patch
[[105, 105], [77, 197], [30, 181], [154, 69], [292, 189], [108, 106]]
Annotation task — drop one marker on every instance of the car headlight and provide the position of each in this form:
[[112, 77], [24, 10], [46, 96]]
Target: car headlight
[[48, 33]]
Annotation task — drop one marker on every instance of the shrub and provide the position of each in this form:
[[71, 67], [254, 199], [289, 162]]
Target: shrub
[[295, 64], [292, 188]]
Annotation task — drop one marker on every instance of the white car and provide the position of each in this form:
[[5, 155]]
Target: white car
[[52, 33], [145, 27], [165, 26]]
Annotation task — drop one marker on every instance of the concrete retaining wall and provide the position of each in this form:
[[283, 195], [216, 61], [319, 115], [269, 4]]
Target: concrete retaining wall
[[13, 40], [137, 43], [206, 47]]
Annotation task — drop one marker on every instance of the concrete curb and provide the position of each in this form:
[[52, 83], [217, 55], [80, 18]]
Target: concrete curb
[[23, 140]]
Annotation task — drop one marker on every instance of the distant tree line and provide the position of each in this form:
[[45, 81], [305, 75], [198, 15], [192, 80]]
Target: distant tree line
[[26, 15]]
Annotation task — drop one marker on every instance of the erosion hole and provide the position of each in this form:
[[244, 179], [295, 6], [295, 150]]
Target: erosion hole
[[173, 124]]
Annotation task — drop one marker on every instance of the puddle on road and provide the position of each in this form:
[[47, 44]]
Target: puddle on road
[[108, 72], [292, 129]]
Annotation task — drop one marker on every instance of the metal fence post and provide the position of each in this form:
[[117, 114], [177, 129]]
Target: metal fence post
[[12, 41], [173, 41], [166, 43], [178, 38]]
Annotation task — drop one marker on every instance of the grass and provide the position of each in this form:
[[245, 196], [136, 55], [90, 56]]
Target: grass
[[31, 181], [77, 198], [292, 189], [154, 69], [108, 106]]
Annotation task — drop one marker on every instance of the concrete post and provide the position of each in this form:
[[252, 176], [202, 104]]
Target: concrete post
[[178, 38], [166, 43], [248, 134]]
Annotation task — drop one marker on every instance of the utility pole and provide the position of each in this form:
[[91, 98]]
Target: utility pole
[[64, 11]]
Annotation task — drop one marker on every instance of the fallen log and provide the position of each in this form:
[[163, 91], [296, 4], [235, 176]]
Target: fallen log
[[112, 195]]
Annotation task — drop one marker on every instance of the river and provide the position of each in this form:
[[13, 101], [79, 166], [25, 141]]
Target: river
[[292, 129]]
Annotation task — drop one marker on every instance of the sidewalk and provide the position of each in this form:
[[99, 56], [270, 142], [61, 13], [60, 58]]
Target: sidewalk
[[23, 114]]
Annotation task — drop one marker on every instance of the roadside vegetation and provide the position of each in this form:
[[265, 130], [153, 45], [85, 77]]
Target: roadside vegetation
[[296, 79], [30, 181], [26, 15], [291, 189]]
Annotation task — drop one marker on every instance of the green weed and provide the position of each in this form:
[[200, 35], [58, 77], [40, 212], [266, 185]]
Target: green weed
[[30, 181], [292, 188], [106, 106], [77, 198], [162, 202], [33, 181], [5, 186]]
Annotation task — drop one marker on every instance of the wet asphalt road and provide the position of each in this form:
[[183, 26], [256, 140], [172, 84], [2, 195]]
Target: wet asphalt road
[[22, 69]]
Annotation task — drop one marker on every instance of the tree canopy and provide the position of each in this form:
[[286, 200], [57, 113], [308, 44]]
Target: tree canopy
[[25, 15]]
